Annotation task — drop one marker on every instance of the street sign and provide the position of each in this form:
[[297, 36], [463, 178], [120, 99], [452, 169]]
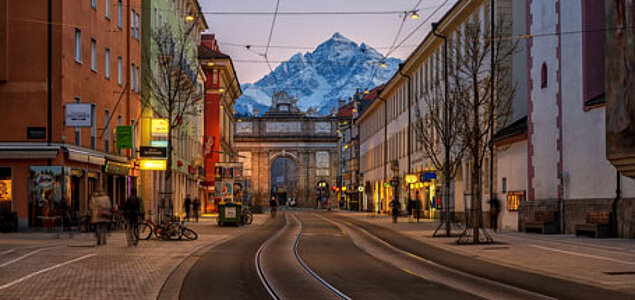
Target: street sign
[[153, 152], [159, 127], [78, 115], [124, 137]]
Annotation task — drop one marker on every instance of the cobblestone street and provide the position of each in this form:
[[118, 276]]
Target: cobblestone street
[[43, 266]]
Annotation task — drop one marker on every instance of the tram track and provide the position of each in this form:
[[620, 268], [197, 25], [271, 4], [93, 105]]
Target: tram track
[[274, 289]]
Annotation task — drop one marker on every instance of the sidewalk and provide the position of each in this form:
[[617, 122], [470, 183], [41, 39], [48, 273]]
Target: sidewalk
[[606, 263], [43, 266]]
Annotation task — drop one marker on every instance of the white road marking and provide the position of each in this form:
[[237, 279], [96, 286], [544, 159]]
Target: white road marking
[[7, 252], [20, 258], [12, 283], [585, 255]]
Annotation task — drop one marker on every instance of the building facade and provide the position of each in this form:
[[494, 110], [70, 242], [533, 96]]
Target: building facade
[[183, 22], [568, 169], [222, 89], [69, 79], [287, 154]]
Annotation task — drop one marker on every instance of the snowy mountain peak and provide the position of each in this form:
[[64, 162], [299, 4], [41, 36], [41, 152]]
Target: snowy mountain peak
[[331, 72]]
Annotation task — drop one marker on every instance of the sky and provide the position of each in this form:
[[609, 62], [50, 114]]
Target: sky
[[234, 32]]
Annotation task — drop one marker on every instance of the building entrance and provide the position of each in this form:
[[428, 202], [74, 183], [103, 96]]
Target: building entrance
[[283, 179]]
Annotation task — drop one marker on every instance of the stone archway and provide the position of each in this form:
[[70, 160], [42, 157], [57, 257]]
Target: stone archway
[[283, 178]]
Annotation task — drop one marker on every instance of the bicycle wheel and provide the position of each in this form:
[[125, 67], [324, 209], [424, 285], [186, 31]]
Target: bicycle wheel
[[248, 218], [173, 231], [145, 231], [189, 234]]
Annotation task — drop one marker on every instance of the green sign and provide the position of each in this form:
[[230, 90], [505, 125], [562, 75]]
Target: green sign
[[124, 137]]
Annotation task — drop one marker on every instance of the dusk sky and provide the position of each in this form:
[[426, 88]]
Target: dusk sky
[[305, 32]]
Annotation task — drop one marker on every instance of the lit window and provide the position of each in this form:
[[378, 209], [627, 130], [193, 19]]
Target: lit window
[[514, 199]]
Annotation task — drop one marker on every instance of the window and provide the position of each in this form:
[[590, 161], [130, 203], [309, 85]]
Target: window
[[78, 45], [132, 14], [138, 79], [93, 4], [593, 40], [106, 131], [5, 189], [119, 71], [78, 131], [514, 199], [119, 14], [93, 127], [107, 9], [93, 54], [132, 78], [107, 63], [543, 76], [504, 185]]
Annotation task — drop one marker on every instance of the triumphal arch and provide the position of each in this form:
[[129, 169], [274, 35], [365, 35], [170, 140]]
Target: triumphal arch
[[288, 153]]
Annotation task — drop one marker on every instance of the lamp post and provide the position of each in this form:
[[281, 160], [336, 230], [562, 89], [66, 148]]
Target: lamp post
[[446, 165], [409, 121]]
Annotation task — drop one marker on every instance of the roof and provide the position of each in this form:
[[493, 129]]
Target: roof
[[515, 129], [207, 53], [346, 110]]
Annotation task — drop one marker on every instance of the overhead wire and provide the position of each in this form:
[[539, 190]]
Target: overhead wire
[[273, 24]]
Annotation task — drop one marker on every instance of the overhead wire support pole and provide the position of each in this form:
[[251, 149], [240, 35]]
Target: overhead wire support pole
[[409, 123]]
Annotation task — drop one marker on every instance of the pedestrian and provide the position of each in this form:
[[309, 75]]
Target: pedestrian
[[409, 209], [132, 211], [48, 211], [188, 207], [196, 208], [101, 214], [395, 206], [273, 206], [494, 209], [417, 207]]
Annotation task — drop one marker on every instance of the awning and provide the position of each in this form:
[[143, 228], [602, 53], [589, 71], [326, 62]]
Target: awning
[[116, 168], [86, 157], [26, 151]]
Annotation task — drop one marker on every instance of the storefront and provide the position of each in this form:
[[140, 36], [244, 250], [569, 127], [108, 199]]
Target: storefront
[[6, 181]]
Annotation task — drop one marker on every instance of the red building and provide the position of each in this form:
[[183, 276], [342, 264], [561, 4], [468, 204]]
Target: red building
[[221, 91]]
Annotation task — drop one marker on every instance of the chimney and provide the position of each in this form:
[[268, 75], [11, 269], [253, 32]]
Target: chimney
[[209, 40], [340, 103]]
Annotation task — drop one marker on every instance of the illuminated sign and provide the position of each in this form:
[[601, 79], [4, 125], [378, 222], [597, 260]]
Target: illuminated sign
[[153, 164], [411, 178], [159, 127], [361, 188]]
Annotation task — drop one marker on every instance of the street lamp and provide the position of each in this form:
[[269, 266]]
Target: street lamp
[[414, 15]]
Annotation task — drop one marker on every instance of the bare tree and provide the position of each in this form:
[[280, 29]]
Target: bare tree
[[170, 88], [438, 129], [480, 114]]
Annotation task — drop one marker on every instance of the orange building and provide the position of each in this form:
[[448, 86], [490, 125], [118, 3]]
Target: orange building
[[222, 88], [69, 76]]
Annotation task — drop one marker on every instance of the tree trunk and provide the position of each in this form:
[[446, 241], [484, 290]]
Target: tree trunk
[[476, 199], [166, 201], [446, 197]]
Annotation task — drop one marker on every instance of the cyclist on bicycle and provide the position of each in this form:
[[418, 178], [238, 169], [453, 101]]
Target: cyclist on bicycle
[[273, 205]]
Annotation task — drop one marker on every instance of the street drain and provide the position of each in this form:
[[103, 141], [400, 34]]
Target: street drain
[[496, 248], [620, 273]]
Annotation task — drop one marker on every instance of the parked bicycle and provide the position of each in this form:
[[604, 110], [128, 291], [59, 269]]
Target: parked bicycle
[[186, 233], [166, 230]]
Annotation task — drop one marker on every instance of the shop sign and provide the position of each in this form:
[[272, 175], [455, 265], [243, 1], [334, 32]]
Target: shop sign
[[153, 152], [124, 137], [153, 164], [411, 178], [116, 168], [427, 176], [159, 127], [78, 115], [163, 144], [36, 132]]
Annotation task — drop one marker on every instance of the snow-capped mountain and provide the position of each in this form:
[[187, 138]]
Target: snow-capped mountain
[[332, 72]]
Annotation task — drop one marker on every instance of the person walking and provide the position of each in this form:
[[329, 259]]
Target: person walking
[[417, 207], [188, 207], [196, 208], [273, 206], [132, 211], [494, 209], [101, 214], [410, 209], [395, 206]]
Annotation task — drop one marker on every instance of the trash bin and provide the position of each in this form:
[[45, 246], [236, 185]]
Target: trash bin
[[230, 213]]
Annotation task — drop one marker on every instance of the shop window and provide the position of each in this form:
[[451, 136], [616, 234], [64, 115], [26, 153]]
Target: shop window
[[514, 199], [5, 189], [543, 76]]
